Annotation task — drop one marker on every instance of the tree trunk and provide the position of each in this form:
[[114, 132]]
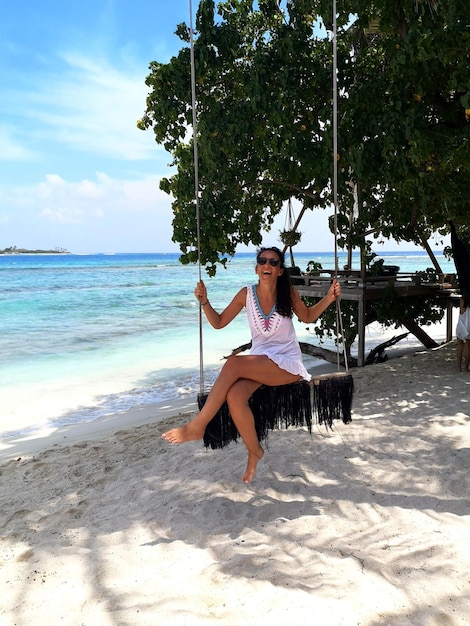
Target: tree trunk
[[326, 355], [419, 333]]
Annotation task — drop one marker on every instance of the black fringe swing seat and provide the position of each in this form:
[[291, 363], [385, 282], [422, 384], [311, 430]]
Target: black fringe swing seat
[[324, 399]]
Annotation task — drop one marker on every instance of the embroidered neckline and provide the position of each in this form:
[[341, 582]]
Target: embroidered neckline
[[258, 306], [263, 324]]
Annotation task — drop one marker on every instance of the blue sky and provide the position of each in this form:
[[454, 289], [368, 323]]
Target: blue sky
[[75, 172]]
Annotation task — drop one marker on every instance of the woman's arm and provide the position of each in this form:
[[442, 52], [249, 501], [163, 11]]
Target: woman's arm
[[309, 314], [220, 320]]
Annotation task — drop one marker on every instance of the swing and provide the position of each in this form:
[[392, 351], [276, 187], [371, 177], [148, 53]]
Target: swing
[[328, 397]]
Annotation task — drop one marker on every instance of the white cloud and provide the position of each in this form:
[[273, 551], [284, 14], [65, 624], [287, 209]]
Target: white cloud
[[86, 105], [94, 107], [103, 214], [104, 196], [63, 215]]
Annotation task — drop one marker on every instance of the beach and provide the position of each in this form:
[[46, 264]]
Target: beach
[[367, 524]]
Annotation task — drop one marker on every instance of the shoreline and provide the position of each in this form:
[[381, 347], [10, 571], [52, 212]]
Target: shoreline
[[31, 407], [29, 444]]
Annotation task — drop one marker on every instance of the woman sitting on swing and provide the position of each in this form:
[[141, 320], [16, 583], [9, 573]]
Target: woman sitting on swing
[[275, 357]]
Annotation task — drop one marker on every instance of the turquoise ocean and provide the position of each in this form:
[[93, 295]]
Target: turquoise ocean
[[86, 336]]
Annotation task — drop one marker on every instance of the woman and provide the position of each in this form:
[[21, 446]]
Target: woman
[[463, 336], [275, 357]]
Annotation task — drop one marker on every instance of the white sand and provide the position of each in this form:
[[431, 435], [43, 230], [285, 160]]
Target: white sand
[[367, 525]]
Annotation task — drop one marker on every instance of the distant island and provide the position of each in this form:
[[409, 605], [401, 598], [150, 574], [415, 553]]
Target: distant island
[[15, 250]]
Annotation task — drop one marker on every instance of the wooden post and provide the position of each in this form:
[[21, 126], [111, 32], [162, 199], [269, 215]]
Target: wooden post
[[361, 333], [449, 324], [419, 333]]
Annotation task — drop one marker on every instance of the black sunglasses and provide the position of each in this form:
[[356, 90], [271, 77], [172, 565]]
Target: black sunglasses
[[262, 260]]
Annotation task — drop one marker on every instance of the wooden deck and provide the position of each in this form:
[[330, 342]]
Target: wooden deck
[[363, 289]]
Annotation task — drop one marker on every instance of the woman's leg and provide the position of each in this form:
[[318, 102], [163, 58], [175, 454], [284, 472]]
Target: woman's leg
[[258, 369], [460, 347], [237, 400], [467, 355]]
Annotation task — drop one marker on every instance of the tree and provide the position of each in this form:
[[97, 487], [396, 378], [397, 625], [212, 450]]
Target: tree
[[408, 149], [264, 118], [264, 105]]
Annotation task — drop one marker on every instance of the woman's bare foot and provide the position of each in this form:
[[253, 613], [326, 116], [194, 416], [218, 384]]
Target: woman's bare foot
[[253, 460], [188, 432]]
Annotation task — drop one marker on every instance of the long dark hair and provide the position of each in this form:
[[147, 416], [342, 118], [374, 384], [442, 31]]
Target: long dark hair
[[283, 288]]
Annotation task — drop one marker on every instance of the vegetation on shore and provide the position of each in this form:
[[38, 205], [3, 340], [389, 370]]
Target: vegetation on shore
[[15, 250]]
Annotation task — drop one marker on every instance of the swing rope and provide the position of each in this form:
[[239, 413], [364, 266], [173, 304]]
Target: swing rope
[[196, 189], [333, 393], [339, 320]]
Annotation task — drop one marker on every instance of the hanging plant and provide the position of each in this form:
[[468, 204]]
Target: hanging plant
[[290, 237]]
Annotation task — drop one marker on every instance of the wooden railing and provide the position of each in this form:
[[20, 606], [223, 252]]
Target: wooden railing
[[353, 278]]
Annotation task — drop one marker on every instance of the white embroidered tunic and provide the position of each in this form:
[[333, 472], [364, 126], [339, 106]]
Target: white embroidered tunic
[[463, 325], [274, 336]]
